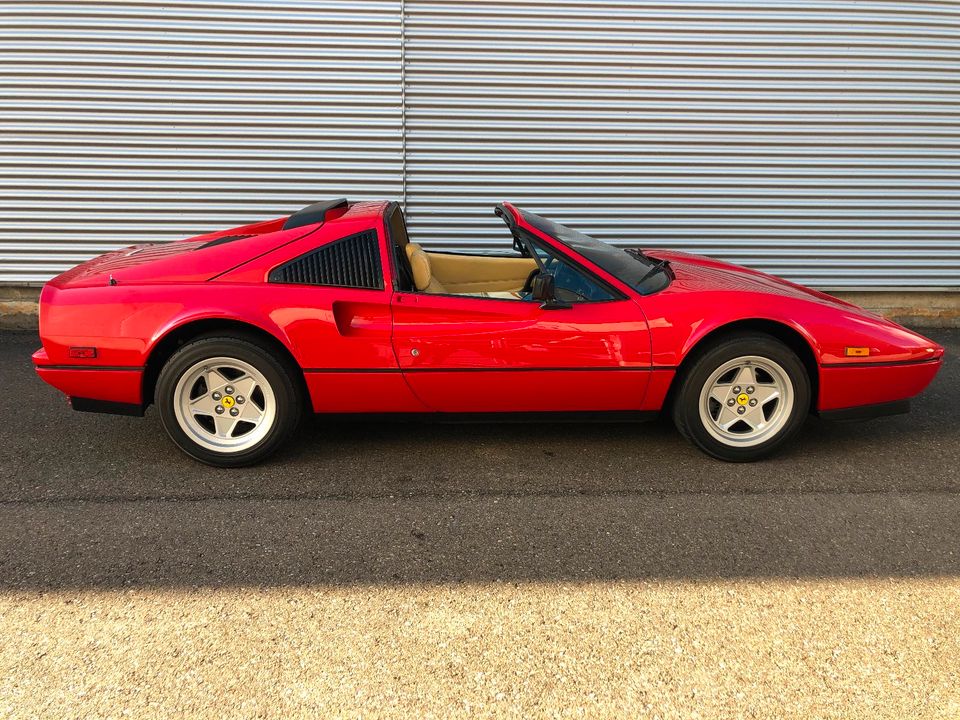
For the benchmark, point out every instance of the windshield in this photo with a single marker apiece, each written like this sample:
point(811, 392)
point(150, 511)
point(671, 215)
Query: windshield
point(628, 266)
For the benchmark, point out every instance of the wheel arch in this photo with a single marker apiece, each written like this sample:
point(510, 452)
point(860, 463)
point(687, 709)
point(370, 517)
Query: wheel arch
point(790, 336)
point(178, 336)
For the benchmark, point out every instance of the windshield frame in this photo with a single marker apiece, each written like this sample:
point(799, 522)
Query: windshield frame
point(633, 269)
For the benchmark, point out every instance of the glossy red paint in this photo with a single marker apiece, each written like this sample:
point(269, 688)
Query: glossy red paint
point(843, 387)
point(384, 350)
point(109, 385)
point(464, 354)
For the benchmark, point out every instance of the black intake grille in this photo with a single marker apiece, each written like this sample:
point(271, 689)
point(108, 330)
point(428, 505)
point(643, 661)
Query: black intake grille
point(353, 261)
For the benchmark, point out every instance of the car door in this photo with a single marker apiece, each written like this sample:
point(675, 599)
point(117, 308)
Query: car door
point(477, 354)
point(329, 294)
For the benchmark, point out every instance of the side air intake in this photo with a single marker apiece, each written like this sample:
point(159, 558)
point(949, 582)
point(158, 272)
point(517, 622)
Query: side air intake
point(353, 261)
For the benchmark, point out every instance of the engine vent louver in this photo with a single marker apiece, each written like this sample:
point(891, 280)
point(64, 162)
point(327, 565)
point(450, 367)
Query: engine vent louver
point(353, 261)
point(222, 240)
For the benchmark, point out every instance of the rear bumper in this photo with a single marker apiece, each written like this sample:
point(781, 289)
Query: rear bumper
point(94, 386)
point(849, 387)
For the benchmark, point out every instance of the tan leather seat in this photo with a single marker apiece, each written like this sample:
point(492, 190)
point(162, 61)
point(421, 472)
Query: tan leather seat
point(420, 265)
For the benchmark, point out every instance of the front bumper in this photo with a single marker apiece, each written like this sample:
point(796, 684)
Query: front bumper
point(854, 386)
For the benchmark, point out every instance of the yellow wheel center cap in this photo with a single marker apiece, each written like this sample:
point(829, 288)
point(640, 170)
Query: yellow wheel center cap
point(742, 399)
point(228, 401)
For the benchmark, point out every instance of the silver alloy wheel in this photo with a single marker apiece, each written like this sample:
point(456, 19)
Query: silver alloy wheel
point(746, 401)
point(224, 404)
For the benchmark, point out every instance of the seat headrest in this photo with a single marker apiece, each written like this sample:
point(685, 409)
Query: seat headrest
point(420, 265)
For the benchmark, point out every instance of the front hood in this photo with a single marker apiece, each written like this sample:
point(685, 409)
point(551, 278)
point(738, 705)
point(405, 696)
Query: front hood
point(830, 324)
point(698, 273)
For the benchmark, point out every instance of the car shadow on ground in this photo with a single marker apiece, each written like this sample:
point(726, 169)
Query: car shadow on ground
point(101, 501)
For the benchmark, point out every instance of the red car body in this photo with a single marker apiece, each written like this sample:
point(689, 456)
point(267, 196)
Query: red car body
point(108, 325)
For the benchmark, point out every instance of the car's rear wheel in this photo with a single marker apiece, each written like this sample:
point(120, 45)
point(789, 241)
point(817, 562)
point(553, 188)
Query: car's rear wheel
point(228, 402)
point(742, 398)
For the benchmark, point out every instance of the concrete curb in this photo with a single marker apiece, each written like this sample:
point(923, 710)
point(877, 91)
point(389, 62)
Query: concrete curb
point(18, 308)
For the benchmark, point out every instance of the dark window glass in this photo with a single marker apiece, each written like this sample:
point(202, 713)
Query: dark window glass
point(632, 268)
point(571, 284)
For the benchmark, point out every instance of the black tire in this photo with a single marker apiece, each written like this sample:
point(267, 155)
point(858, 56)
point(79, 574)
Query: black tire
point(687, 409)
point(275, 369)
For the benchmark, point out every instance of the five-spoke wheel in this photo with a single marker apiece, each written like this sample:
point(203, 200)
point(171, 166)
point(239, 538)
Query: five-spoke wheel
point(225, 404)
point(228, 401)
point(742, 397)
point(746, 400)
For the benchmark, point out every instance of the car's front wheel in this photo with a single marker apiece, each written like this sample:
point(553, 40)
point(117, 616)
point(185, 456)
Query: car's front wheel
point(743, 398)
point(227, 401)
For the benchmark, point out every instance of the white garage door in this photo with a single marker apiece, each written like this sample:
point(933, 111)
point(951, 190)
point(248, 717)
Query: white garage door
point(817, 140)
point(125, 122)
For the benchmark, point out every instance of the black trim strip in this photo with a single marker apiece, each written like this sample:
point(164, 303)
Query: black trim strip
point(867, 412)
point(894, 363)
point(106, 406)
point(492, 369)
point(135, 368)
point(559, 416)
point(352, 370)
point(138, 368)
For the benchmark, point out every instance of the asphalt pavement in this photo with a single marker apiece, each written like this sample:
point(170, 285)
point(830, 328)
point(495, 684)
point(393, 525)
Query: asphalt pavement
point(417, 570)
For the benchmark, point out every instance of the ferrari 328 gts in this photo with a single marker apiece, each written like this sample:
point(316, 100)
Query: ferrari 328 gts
point(235, 335)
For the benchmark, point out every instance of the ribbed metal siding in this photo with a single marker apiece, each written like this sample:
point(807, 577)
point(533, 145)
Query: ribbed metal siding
point(816, 140)
point(124, 122)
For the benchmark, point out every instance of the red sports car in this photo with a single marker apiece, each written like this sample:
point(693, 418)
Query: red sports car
point(235, 334)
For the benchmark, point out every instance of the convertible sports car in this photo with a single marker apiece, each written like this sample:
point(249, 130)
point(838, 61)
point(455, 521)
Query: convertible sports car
point(236, 334)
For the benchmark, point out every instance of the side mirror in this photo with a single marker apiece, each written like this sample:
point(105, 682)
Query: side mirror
point(543, 286)
point(543, 289)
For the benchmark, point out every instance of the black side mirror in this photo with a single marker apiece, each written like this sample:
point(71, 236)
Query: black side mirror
point(543, 288)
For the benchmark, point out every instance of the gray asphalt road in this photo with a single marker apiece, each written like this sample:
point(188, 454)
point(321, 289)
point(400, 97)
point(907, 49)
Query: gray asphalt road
point(412, 569)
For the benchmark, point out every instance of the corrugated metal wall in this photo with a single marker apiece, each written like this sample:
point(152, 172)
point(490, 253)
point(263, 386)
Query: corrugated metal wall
point(818, 140)
point(126, 122)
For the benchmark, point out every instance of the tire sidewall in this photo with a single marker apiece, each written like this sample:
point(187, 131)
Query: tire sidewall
point(687, 411)
point(288, 400)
